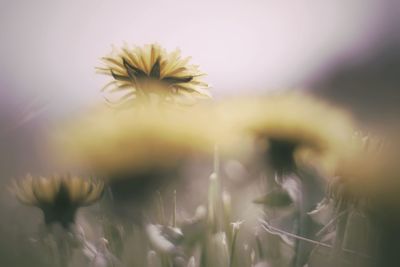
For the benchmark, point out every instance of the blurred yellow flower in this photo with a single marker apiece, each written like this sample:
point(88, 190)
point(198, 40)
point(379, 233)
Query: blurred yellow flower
point(138, 151)
point(369, 170)
point(140, 72)
point(58, 197)
point(290, 129)
point(135, 140)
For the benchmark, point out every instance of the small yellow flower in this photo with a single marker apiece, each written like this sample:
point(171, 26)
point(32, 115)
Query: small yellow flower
point(58, 197)
point(139, 72)
point(290, 129)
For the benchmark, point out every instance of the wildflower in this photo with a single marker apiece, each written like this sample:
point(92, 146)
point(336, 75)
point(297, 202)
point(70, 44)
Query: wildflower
point(138, 151)
point(59, 197)
point(290, 130)
point(134, 140)
point(368, 180)
point(370, 162)
point(139, 72)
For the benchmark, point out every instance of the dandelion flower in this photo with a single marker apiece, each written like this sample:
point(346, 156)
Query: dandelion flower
point(137, 139)
point(368, 180)
point(59, 197)
point(369, 171)
point(138, 151)
point(140, 72)
point(290, 129)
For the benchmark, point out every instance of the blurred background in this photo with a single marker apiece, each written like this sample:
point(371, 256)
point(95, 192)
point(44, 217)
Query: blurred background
point(345, 51)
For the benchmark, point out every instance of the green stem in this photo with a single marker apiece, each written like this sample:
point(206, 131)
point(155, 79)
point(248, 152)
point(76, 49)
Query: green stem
point(174, 210)
point(261, 255)
point(342, 224)
point(160, 208)
point(233, 245)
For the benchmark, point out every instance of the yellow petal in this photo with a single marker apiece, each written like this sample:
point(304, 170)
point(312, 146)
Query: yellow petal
point(45, 189)
point(95, 194)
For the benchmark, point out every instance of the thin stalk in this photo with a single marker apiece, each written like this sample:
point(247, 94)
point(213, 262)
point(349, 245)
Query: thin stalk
point(152, 259)
point(213, 202)
point(342, 224)
point(160, 208)
point(247, 255)
point(214, 195)
point(52, 247)
point(260, 251)
point(301, 217)
point(214, 206)
point(216, 160)
point(203, 253)
point(276, 231)
point(61, 247)
point(174, 210)
point(227, 218)
point(235, 231)
point(330, 223)
point(166, 261)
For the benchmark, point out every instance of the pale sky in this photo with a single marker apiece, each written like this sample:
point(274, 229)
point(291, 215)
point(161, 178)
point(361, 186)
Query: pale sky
point(49, 48)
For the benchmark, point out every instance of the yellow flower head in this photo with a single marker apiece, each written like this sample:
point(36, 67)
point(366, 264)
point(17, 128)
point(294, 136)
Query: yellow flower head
point(369, 170)
point(58, 197)
point(135, 140)
point(139, 72)
point(138, 151)
point(290, 129)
